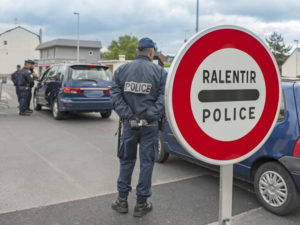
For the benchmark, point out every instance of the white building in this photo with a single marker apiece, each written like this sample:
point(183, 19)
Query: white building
point(17, 45)
point(291, 66)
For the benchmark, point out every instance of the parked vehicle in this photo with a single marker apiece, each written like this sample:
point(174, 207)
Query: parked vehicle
point(275, 169)
point(74, 88)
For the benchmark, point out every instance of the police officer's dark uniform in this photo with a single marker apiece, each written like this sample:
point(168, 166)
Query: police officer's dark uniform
point(138, 93)
point(24, 81)
point(13, 78)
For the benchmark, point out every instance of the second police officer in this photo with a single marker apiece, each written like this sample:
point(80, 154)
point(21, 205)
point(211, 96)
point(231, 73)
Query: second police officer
point(34, 76)
point(14, 78)
point(24, 82)
point(138, 95)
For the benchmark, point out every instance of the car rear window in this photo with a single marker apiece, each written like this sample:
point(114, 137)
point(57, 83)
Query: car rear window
point(282, 110)
point(93, 73)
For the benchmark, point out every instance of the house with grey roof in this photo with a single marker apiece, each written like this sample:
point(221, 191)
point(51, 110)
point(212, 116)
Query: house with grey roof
point(65, 50)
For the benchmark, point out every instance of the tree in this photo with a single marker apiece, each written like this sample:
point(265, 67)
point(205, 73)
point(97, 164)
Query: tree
point(126, 45)
point(278, 48)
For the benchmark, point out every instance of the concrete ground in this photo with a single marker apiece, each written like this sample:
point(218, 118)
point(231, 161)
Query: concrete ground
point(64, 172)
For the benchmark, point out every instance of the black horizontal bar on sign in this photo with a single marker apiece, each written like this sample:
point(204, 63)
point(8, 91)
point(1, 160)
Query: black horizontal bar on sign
point(228, 95)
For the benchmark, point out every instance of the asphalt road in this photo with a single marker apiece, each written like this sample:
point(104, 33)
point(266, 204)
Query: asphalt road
point(64, 172)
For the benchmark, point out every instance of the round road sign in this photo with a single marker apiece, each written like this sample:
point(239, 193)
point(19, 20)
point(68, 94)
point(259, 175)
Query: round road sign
point(222, 95)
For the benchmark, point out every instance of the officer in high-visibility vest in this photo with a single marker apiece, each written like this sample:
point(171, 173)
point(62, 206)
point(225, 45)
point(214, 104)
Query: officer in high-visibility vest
point(138, 98)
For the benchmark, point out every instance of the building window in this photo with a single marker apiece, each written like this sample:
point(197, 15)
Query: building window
point(5, 42)
point(91, 53)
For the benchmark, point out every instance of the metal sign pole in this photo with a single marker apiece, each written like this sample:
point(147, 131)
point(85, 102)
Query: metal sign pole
point(1, 86)
point(225, 199)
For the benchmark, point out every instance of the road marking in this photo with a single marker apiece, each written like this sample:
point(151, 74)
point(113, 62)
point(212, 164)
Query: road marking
point(97, 127)
point(94, 146)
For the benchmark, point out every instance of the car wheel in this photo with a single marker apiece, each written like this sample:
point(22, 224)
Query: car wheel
point(163, 155)
point(275, 188)
point(106, 114)
point(58, 115)
point(36, 106)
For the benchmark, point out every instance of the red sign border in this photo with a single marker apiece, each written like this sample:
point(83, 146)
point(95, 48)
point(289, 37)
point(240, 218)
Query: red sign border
point(179, 111)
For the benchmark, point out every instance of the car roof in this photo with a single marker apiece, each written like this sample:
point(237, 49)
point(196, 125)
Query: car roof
point(78, 64)
point(290, 79)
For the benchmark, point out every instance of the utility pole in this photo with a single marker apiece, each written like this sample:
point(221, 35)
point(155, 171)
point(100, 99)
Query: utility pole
point(197, 17)
point(77, 14)
point(296, 56)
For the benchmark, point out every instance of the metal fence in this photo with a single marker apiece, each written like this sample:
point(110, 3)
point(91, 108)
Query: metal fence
point(3, 99)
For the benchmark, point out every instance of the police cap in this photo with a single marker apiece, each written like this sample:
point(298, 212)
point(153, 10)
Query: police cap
point(146, 43)
point(30, 62)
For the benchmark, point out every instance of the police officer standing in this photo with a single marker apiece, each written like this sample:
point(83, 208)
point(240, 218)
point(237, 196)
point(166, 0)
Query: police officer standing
point(13, 78)
point(24, 81)
point(33, 76)
point(138, 98)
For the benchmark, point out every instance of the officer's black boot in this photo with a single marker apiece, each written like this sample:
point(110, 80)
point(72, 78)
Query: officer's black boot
point(23, 114)
point(142, 209)
point(29, 111)
point(120, 205)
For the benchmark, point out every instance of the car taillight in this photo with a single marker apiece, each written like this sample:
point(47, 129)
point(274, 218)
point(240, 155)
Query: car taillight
point(72, 90)
point(91, 65)
point(106, 92)
point(297, 149)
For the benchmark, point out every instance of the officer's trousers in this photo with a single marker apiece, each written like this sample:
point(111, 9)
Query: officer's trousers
point(147, 138)
point(29, 96)
point(18, 94)
point(23, 93)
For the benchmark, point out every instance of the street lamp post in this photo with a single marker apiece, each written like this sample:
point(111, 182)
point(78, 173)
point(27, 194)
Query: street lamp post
point(77, 14)
point(197, 17)
point(296, 56)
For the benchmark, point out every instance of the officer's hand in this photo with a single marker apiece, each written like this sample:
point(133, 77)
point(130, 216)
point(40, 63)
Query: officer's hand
point(144, 117)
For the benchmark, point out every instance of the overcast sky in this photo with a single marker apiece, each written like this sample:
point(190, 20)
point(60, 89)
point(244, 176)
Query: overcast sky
point(165, 21)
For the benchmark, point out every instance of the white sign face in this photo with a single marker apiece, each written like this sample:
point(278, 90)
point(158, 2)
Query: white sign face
point(228, 93)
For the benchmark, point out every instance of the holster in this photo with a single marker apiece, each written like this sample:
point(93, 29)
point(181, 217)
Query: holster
point(162, 122)
point(119, 136)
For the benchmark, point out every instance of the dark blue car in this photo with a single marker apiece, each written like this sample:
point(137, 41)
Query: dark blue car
point(275, 169)
point(74, 88)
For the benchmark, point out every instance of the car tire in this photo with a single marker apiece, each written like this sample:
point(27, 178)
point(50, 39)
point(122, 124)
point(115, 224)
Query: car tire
point(36, 106)
point(58, 115)
point(163, 155)
point(275, 189)
point(106, 114)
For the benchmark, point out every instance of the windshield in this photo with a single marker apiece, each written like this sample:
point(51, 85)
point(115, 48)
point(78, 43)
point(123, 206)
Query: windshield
point(90, 73)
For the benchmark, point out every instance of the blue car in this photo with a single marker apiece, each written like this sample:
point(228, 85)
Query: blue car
point(275, 169)
point(74, 88)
